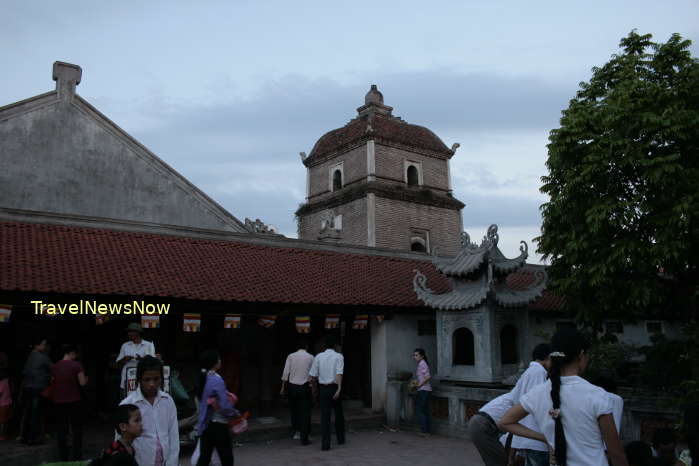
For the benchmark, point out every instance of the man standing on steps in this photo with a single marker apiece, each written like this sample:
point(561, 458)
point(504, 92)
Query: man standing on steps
point(296, 369)
point(132, 351)
point(327, 370)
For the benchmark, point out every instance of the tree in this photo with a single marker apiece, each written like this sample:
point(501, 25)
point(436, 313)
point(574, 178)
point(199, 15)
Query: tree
point(621, 228)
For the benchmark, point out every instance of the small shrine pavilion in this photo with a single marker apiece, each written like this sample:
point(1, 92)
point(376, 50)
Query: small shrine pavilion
point(482, 322)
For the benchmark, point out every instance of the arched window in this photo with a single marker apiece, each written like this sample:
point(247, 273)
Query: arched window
point(418, 245)
point(508, 345)
point(462, 348)
point(412, 176)
point(337, 180)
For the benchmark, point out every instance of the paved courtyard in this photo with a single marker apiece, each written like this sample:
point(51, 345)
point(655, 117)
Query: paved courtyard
point(362, 448)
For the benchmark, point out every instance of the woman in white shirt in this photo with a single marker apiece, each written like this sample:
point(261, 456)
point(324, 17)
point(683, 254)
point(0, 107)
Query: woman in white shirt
point(575, 416)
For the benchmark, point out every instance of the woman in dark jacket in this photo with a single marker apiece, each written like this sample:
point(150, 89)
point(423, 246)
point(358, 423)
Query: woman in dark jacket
point(37, 376)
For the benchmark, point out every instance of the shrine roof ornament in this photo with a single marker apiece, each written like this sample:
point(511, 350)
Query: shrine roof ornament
point(477, 272)
point(471, 256)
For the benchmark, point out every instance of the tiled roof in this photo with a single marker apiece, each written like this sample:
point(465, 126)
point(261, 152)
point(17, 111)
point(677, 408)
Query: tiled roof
point(74, 260)
point(384, 127)
point(525, 278)
point(77, 260)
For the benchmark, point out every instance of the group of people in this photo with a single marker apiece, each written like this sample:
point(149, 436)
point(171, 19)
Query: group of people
point(44, 385)
point(146, 424)
point(306, 377)
point(554, 416)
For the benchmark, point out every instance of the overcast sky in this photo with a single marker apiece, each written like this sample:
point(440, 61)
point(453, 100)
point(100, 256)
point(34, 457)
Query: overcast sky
point(229, 92)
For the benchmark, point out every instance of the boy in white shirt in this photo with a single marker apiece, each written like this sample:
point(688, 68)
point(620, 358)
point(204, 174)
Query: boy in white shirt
point(159, 444)
point(535, 453)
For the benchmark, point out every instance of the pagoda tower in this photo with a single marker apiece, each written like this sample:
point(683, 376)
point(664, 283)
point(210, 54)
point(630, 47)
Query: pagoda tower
point(381, 182)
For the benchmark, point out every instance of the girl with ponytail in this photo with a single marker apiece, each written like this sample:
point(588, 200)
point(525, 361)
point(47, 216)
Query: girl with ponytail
point(574, 416)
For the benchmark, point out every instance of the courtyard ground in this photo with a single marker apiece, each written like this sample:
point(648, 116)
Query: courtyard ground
point(368, 448)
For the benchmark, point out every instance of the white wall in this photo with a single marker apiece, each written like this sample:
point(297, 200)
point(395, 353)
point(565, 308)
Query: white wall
point(402, 339)
point(392, 345)
point(378, 365)
point(635, 334)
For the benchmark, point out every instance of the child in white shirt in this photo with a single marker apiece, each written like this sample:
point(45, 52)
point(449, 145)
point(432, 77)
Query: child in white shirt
point(575, 417)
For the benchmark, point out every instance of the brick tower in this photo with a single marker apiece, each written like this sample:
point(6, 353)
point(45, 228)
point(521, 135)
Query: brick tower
point(379, 181)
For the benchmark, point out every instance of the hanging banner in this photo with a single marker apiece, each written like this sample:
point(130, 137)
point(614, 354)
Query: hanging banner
point(267, 321)
point(379, 318)
point(5, 312)
point(303, 324)
point(332, 321)
point(101, 319)
point(360, 321)
point(231, 321)
point(191, 322)
point(150, 321)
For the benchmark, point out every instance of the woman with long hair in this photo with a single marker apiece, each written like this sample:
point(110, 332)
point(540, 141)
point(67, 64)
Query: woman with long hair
point(215, 410)
point(424, 389)
point(575, 417)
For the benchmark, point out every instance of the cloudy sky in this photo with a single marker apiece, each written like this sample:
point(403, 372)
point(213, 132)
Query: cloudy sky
point(229, 92)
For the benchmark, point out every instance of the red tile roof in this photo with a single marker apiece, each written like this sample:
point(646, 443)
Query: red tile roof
point(384, 127)
point(76, 260)
point(524, 278)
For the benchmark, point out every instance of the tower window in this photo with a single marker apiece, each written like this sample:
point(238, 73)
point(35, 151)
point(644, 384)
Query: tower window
point(336, 177)
point(463, 350)
point(337, 180)
point(419, 241)
point(412, 175)
point(418, 245)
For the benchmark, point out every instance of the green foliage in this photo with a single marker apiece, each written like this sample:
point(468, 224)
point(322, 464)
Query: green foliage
point(611, 359)
point(621, 228)
point(666, 366)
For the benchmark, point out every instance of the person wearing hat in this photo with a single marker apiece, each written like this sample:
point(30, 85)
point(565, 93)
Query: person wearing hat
point(132, 351)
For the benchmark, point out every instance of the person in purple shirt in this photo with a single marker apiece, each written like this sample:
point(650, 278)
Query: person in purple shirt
point(424, 389)
point(212, 427)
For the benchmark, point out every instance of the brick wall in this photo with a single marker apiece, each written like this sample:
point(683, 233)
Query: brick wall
point(354, 168)
point(395, 219)
point(354, 227)
point(390, 163)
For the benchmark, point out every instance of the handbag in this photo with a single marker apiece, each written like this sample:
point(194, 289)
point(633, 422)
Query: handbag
point(239, 424)
point(48, 391)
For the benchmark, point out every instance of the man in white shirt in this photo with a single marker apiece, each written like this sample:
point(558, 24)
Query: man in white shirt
point(535, 453)
point(132, 351)
point(609, 385)
point(295, 374)
point(327, 370)
point(484, 431)
point(159, 444)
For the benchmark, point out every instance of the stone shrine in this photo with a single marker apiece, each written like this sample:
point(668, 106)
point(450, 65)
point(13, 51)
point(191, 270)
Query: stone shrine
point(482, 328)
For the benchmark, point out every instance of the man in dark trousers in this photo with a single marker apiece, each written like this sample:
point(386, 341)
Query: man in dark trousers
point(295, 375)
point(326, 370)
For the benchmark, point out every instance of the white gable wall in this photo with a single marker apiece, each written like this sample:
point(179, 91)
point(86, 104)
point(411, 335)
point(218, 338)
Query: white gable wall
point(67, 158)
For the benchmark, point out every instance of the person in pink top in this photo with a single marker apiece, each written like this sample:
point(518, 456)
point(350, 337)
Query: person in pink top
point(424, 389)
